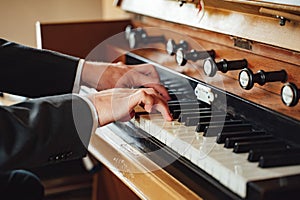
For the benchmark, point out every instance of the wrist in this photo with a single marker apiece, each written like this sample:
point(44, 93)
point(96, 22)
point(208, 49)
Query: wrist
point(91, 73)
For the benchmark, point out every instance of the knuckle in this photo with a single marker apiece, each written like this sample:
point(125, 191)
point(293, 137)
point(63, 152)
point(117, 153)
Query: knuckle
point(151, 90)
point(142, 93)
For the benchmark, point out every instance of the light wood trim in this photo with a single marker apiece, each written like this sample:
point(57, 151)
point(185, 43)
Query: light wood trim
point(146, 184)
point(246, 23)
point(278, 5)
point(286, 15)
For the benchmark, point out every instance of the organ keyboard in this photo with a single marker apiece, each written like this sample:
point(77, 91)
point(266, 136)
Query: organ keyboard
point(246, 158)
point(224, 142)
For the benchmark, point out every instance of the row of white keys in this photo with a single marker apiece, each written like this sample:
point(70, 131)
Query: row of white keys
point(202, 151)
point(231, 169)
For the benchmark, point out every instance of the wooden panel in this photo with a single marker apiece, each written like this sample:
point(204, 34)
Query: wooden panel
point(79, 38)
point(67, 184)
point(137, 172)
point(107, 186)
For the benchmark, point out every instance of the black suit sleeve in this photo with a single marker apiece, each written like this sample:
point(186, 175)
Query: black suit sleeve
point(43, 131)
point(34, 73)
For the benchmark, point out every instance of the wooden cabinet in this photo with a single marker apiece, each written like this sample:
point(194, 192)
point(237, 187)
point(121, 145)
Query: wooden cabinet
point(78, 38)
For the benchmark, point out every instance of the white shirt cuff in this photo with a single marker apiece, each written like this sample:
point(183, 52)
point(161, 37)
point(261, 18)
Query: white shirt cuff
point(93, 111)
point(76, 86)
point(76, 90)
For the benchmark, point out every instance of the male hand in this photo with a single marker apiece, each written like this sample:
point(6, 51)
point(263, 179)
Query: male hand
point(117, 75)
point(118, 104)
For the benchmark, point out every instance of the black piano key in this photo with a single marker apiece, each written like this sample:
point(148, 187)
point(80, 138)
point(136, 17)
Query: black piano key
point(182, 101)
point(255, 154)
point(176, 113)
point(278, 160)
point(194, 120)
point(279, 188)
point(180, 91)
point(229, 142)
point(243, 147)
point(221, 137)
point(179, 94)
point(184, 105)
point(175, 85)
point(172, 89)
point(201, 126)
point(176, 95)
point(184, 116)
point(214, 130)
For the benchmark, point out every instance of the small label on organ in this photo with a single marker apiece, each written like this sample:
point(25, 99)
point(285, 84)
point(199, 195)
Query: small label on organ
point(205, 94)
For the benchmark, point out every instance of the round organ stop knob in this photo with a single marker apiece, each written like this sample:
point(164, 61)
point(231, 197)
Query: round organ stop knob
point(290, 94)
point(135, 38)
point(139, 36)
point(172, 47)
point(182, 57)
point(210, 67)
point(129, 29)
point(247, 78)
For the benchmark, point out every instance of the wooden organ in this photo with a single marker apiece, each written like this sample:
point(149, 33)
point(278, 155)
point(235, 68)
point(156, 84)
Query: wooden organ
point(232, 69)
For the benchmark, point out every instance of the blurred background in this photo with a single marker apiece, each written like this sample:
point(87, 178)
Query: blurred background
point(18, 17)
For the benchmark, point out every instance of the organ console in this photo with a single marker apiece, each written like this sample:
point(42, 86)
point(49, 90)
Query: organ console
point(225, 142)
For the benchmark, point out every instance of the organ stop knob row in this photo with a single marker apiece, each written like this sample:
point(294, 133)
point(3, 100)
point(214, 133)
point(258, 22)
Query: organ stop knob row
point(290, 94)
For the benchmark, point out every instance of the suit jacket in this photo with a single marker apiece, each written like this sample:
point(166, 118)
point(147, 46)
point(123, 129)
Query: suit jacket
point(44, 129)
